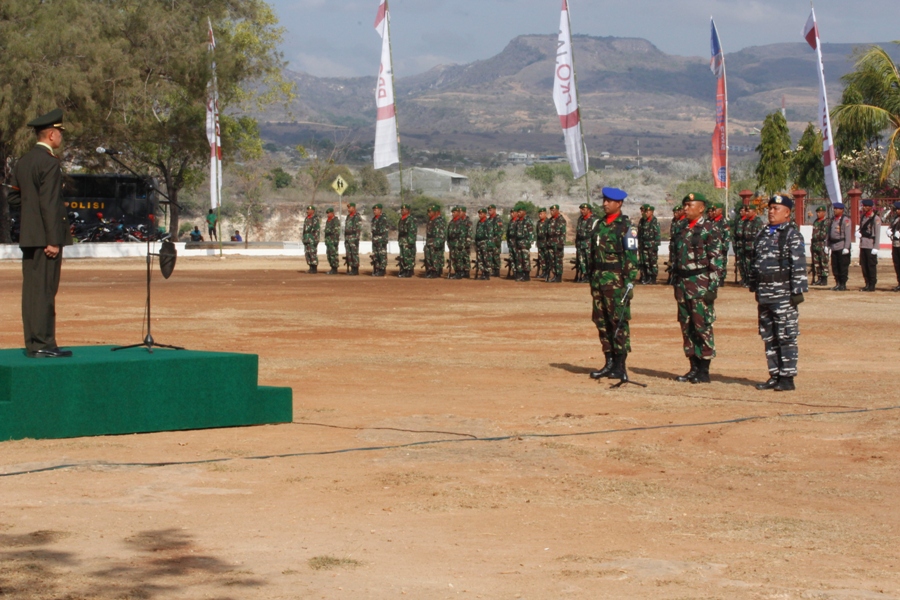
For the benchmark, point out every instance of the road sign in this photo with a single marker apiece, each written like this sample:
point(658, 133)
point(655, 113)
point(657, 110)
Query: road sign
point(339, 185)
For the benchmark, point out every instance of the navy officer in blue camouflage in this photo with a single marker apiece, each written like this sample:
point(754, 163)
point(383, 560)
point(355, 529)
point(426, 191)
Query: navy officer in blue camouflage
point(777, 275)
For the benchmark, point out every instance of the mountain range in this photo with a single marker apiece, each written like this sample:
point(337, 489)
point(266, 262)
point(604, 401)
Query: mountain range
point(629, 91)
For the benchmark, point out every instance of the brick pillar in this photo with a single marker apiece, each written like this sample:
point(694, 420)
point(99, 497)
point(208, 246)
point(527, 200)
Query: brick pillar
point(800, 215)
point(855, 197)
point(746, 195)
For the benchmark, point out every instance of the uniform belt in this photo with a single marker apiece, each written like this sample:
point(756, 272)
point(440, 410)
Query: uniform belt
point(614, 267)
point(780, 277)
point(689, 273)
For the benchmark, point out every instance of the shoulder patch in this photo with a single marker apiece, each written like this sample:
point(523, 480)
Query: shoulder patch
point(631, 238)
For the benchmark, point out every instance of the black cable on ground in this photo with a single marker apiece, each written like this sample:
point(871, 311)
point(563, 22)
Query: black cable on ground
point(502, 438)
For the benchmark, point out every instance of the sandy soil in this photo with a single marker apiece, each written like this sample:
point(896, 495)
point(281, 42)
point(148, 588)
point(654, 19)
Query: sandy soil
point(448, 443)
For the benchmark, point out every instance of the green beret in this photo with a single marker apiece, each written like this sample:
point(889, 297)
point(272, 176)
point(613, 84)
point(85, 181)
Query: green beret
point(482, 211)
point(310, 207)
point(820, 207)
point(585, 205)
point(645, 206)
point(694, 198)
point(556, 206)
point(329, 210)
point(494, 206)
point(378, 206)
point(402, 206)
point(54, 118)
point(351, 205)
point(435, 208)
point(651, 207)
point(542, 209)
point(462, 208)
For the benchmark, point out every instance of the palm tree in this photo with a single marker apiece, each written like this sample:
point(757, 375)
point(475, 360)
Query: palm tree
point(870, 107)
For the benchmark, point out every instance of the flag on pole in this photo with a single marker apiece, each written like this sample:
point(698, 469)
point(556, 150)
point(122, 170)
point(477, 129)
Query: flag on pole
point(832, 183)
point(387, 151)
point(213, 133)
point(565, 96)
point(720, 133)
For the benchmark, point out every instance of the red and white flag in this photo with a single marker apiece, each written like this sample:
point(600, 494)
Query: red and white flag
point(387, 150)
point(213, 133)
point(720, 133)
point(565, 96)
point(832, 183)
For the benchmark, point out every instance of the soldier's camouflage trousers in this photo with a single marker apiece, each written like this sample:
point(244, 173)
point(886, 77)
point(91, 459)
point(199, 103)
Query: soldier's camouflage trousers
point(607, 310)
point(312, 254)
point(582, 254)
point(779, 326)
point(513, 256)
point(495, 256)
point(407, 257)
point(434, 259)
point(819, 262)
point(744, 265)
point(351, 250)
point(484, 256)
point(542, 261)
point(460, 258)
point(523, 259)
point(696, 318)
point(556, 255)
point(331, 251)
point(379, 256)
point(650, 261)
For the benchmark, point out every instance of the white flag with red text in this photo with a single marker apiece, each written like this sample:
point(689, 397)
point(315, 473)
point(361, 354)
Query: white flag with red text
point(213, 133)
point(832, 183)
point(387, 150)
point(565, 97)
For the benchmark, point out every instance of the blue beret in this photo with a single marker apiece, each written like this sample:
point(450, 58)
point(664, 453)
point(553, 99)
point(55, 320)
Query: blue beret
point(897, 205)
point(781, 201)
point(614, 194)
point(868, 203)
point(837, 205)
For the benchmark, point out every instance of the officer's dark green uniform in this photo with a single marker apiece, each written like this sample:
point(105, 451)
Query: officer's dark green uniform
point(556, 242)
point(379, 242)
point(352, 231)
point(311, 234)
point(406, 238)
point(649, 238)
point(541, 235)
point(37, 187)
point(498, 238)
point(583, 228)
point(332, 240)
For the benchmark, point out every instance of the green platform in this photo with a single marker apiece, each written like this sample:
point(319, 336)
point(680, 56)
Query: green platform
point(100, 392)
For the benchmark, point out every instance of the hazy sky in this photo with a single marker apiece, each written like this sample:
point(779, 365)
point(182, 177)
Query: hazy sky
point(336, 38)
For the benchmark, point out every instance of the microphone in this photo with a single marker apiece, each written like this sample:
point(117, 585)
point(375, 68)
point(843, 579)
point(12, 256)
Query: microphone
point(102, 150)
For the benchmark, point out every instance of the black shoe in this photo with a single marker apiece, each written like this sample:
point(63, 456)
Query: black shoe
point(354, 271)
point(702, 375)
point(602, 372)
point(618, 369)
point(769, 384)
point(496, 273)
point(689, 376)
point(333, 271)
point(785, 384)
point(313, 269)
point(896, 289)
point(824, 282)
point(526, 277)
point(429, 275)
point(558, 279)
point(50, 353)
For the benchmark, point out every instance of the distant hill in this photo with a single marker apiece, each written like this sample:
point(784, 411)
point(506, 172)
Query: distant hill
point(629, 90)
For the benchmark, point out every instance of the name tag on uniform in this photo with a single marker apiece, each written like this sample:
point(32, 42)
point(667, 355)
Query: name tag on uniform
point(631, 238)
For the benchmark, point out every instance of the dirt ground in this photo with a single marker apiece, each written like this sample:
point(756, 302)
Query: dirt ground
point(448, 443)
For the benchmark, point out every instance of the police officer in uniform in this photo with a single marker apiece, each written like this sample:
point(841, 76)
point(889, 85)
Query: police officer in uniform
point(895, 243)
point(778, 277)
point(37, 187)
point(839, 241)
point(613, 268)
point(869, 241)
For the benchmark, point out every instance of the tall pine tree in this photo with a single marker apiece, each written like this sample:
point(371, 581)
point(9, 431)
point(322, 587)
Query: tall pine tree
point(774, 154)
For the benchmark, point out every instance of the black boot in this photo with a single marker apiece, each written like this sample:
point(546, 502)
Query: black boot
point(354, 271)
point(769, 384)
point(526, 277)
point(313, 269)
point(618, 370)
point(702, 375)
point(558, 279)
point(689, 376)
point(333, 271)
point(785, 384)
point(603, 372)
point(824, 281)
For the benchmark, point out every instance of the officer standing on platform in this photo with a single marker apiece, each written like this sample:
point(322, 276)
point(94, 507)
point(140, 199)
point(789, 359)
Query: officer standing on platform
point(36, 185)
point(839, 241)
point(556, 245)
point(895, 243)
point(311, 234)
point(696, 276)
point(778, 277)
point(613, 269)
point(819, 247)
point(869, 242)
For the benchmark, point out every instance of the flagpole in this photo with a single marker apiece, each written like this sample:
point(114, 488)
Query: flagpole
point(587, 162)
point(394, 94)
point(727, 156)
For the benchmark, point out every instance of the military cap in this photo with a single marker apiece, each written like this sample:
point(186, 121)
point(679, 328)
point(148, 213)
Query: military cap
point(645, 206)
point(820, 208)
point(402, 206)
point(781, 200)
point(694, 198)
point(329, 210)
point(54, 118)
point(462, 208)
point(310, 207)
point(838, 205)
point(584, 205)
point(436, 207)
point(614, 194)
point(351, 205)
point(751, 207)
point(542, 209)
point(494, 206)
point(378, 206)
point(868, 202)
point(650, 207)
point(897, 205)
point(556, 206)
point(482, 211)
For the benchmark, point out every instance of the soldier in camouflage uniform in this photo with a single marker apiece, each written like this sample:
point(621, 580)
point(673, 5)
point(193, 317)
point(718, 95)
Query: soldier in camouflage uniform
point(465, 250)
point(697, 274)
point(406, 238)
point(737, 233)
point(674, 228)
point(540, 238)
point(512, 247)
point(718, 219)
point(613, 269)
point(311, 234)
point(352, 231)
point(524, 240)
point(484, 245)
point(380, 231)
point(332, 239)
point(556, 245)
point(819, 249)
point(583, 243)
point(778, 277)
point(751, 225)
point(435, 240)
point(458, 241)
point(498, 239)
point(649, 238)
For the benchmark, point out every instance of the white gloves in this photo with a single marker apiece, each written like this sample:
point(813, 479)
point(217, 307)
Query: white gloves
point(845, 251)
point(875, 251)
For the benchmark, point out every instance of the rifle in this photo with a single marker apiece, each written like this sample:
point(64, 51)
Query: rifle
point(538, 264)
point(347, 262)
point(510, 265)
point(475, 265)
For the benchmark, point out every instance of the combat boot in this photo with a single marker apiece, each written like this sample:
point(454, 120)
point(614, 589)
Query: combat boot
point(785, 384)
point(313, 269)
point(558, 279)
point(354, 271)
point(333, 271)
point(603, 372)
point(689, 376)
point(824, 281)
point(618, 369)
point(769, 384)
point(496, 273)
point(526, 277)
point(702, 375)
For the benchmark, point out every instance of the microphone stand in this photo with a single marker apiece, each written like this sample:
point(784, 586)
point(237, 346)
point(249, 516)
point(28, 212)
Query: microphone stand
point(148, 341)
